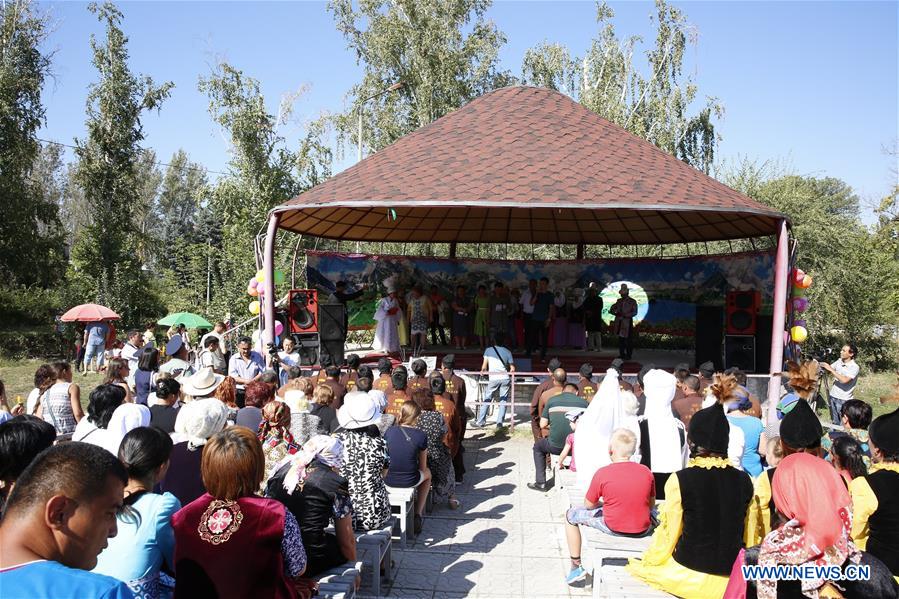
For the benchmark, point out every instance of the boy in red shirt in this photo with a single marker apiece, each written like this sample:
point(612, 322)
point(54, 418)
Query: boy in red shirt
point(620, 501)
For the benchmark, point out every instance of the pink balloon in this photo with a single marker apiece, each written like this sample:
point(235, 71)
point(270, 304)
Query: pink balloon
point(798, 275)
point(253, 282)
point(279, 328)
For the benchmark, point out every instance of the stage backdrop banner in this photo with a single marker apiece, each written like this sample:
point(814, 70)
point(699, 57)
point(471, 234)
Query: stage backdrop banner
point(667, 289)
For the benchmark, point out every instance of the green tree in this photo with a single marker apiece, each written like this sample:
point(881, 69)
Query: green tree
point(445, 52)
point(107, 172)
point(31, 238)
point(655, 106)
point(263, 172)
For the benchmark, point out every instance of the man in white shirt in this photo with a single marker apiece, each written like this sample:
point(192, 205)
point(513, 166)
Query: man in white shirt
point(527, 308)
point(287, 357)
point(497, 358)
point(845, 377)
point(218, 331)
point(131, 350)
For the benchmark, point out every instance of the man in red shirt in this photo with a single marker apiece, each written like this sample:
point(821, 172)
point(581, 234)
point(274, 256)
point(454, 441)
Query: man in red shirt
point(619, 501)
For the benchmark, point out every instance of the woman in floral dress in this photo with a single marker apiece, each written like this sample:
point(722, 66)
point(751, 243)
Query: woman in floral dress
point(419, 317)
point(440, 463)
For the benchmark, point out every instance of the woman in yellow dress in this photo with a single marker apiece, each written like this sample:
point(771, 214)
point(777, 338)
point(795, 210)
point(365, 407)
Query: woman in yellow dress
point(700, 532)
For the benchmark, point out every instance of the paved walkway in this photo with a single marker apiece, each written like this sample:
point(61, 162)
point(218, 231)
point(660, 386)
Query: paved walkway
point(503, 542)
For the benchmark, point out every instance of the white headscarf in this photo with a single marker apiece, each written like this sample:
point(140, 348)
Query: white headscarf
point(594, 429)
point(328, 450)
point(667, 454)
point(125, 419)
point(579, 298)
point(200, 419)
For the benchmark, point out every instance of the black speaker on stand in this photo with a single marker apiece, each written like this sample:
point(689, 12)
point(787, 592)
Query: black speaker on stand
point(710, 335)
point(332, 331)
point(739, 352)
point(307, 347)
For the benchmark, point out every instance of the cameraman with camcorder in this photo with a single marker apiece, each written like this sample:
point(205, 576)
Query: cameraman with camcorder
point(845, 374)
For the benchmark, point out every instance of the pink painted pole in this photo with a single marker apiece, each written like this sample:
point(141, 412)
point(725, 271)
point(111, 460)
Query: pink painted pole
point(781, 280)
point(268, 268)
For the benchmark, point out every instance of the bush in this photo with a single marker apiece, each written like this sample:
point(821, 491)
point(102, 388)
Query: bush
point(42, 344)
point(28, 306)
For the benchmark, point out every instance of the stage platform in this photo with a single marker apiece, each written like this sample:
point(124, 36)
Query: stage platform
point(470, 359)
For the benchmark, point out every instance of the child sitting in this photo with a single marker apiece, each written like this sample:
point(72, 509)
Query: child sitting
point(774, 452)
point(568, 449)
point(627, 491)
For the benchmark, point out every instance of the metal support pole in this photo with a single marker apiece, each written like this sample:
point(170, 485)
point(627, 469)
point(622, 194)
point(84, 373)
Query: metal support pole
point(580, 251)
point(781, 280)
point(268, 268)
point(452, 248)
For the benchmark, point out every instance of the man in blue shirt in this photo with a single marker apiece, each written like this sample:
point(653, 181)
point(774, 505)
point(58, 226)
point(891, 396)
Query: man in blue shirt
point(544, 310)
point(95, 344)
point(497, 359)
point(245, 366)
point(58, 518)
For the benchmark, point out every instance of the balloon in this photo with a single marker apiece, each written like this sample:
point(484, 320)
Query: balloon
point(252, 291)
point(260, 276)
point(799, 323)
point(806, 282)
point(253, 282)
point(798, 275)
point(800, 304)
point(279, 328)
point(254, 307)
point(798, 292)
point(798, 334)
point(255, 337)
point(279, 277)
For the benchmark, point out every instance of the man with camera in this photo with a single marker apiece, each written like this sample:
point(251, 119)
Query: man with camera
point(845, 375)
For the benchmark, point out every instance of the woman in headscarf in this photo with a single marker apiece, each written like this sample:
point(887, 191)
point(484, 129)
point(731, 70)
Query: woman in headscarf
point(700, 530)
point(125, 419)
point(274, 434)
point(663, 440)
point(309, 485)
point(814, 502)
point(197, 421)
point(594, 429)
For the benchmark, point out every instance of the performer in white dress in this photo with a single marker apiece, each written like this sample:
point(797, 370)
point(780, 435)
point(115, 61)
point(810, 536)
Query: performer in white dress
point(388, 316)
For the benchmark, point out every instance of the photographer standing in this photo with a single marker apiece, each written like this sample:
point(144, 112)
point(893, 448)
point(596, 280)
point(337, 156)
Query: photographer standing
point(845, 374)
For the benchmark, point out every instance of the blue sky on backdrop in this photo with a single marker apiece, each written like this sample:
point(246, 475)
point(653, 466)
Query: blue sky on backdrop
point(810, 84)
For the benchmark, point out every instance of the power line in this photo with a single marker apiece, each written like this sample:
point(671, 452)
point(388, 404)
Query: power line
point(157, 162)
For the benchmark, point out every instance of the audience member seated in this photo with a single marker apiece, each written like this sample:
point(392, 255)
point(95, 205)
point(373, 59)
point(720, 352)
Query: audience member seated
point(816, 510)
point(739, 414)
point(364, 385)
point(229, 542)
point(275, 436)
point(419, 378)
point(445, 405)
point(568, 449)
point(619, 501)
point(365, 460)
point(348, 379)
point(800, 431)
point(384, 382)
point(125, 419)
point(802, 383)
point(700, 530)
point(398, 394)
point(690, 401)
point(408, 449)
point(197, 421)
point(308, 484)
point(21, 439)
point(555, 427)
point(256, 395)
point(164, 413)
point(145, 541)
point(663, 439)
point(145, 374)
point(855, 416)
point(440, 462)
point(847, 458)
point(322, 398)
point(586, 385)
point(58, 518)
point(875, 497)
point(227, 394)
point(303, 424)
point(60, 403)
point(102, 403)
point(201, 384)
point(756, 407)
point(539, 390)
point(333, 381)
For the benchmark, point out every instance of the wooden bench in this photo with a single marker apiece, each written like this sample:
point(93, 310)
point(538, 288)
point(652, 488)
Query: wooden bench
point(611, 580)
point(402, 503)
point(375, 547)
point(339, 582)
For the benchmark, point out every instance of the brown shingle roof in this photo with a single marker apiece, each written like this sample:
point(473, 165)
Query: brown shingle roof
point(522, 165)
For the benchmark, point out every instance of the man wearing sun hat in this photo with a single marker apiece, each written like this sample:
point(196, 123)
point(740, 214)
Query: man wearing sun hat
point(202, 383)
point(875, 496)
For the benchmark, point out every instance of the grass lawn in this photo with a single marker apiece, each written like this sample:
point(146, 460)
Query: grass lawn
point(18, 376)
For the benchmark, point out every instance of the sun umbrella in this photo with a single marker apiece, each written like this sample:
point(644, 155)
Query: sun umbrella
point(188, 319)
point(89, 313)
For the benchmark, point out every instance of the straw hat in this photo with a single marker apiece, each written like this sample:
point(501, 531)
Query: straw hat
point(359, 410)
point(201, 383)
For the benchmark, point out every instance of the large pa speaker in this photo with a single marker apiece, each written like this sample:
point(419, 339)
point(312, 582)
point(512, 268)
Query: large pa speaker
point(302, 311)
point(333, 348)
point(332, 322)
point(307, 347)
point(742, 309)
point(709, 335)
point(739, 352)
point(763, 342)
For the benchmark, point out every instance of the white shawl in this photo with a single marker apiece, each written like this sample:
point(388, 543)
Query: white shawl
point(594, 429)
point(667, 454)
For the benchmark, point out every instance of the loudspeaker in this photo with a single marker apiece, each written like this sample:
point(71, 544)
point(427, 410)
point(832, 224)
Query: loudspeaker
point(739, 351)
point(742, 309)
point(763, 342)
point(332, 322)
point(709, 335)
point(302, 311)
point(308, 347)
point(333, 348)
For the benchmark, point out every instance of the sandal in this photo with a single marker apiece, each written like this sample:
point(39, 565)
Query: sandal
point(454, 504)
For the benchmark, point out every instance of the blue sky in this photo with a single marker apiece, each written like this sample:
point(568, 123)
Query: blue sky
point(809, 84)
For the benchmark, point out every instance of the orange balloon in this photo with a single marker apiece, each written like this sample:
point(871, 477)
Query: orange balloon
point(806, 282)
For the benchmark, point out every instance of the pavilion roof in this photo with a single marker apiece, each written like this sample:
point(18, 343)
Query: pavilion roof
point(525, 165)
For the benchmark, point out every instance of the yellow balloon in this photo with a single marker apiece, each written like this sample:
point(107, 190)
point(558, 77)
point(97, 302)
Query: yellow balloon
point(260, 276)
point(798, 334)
point(254, 307)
